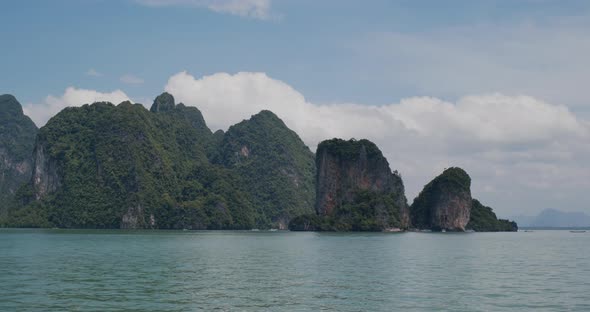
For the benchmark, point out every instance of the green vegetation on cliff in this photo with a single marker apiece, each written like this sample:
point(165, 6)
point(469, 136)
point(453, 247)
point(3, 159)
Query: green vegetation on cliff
point(276, 167)
point(350, 150)
point(123, 166)
point(17, 137)
point(107, 166)
point(369, 211)
point(483, 219)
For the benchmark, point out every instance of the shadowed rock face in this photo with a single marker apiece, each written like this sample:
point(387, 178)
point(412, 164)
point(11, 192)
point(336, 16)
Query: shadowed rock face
point(45, 178)
point(451, 211)
point(444, 203)
point(164, 102)
point(346, 167)
point(17, 137)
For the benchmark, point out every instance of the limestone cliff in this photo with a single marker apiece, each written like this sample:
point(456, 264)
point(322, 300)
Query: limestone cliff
point(444, 203)
point(17, 137)
point(274, 165)
point(356, 189)
point(123, 166)
point(45, 178)
point(111, 166)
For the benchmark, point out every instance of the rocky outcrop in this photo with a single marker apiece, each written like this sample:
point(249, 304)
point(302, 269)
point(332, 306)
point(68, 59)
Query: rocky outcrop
point(444, 203)
point(17, 138)
point(45, 178)
point(356, 188)
point(13, 172)
point(163, 102)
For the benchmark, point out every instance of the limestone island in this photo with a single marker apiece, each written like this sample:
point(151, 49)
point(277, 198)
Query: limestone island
point(123, 166)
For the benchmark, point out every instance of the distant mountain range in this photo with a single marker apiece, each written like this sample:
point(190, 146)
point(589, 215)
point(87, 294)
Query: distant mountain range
point(554, 218)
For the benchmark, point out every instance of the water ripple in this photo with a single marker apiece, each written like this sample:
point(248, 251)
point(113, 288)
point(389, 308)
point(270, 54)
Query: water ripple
point(43, 270)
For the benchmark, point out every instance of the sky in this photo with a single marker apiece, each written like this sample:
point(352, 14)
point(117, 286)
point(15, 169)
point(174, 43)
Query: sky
point(497, 87)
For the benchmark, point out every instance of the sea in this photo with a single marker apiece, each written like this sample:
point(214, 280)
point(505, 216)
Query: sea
point(117, 270)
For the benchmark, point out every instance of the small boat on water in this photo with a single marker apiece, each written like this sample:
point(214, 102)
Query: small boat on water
point(577, 231)
point(528, 231)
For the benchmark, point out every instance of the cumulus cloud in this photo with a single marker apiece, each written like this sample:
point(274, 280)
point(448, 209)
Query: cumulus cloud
point(248, 8)
point(131, 79)
point(513, 146)
point(41, 113)
point(492, 119)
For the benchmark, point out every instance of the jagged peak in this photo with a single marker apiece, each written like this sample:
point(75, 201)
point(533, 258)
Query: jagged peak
point(9, 104)
point(266, 113)
point(163, 102)
point(262, 119)
point(266, 117)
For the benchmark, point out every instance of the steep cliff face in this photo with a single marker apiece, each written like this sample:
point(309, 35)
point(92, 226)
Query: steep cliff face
point(444, 203)
point(17, 138)
point(274, 165)
point(345, 167)
point(356, 189)
point(45, 178)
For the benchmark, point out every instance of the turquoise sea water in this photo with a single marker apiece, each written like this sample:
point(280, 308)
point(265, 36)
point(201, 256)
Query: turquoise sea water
point(72, 270)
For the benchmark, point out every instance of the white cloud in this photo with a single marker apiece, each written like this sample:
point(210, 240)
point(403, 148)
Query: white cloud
point(93, 73)
point(259, 9)
point(518, 149)
point(41, 113)
point(131, 79)
point(495, 118)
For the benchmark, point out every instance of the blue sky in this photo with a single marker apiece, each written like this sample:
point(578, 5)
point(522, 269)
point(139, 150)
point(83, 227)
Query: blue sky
point(312, 45)
point(498, 87)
